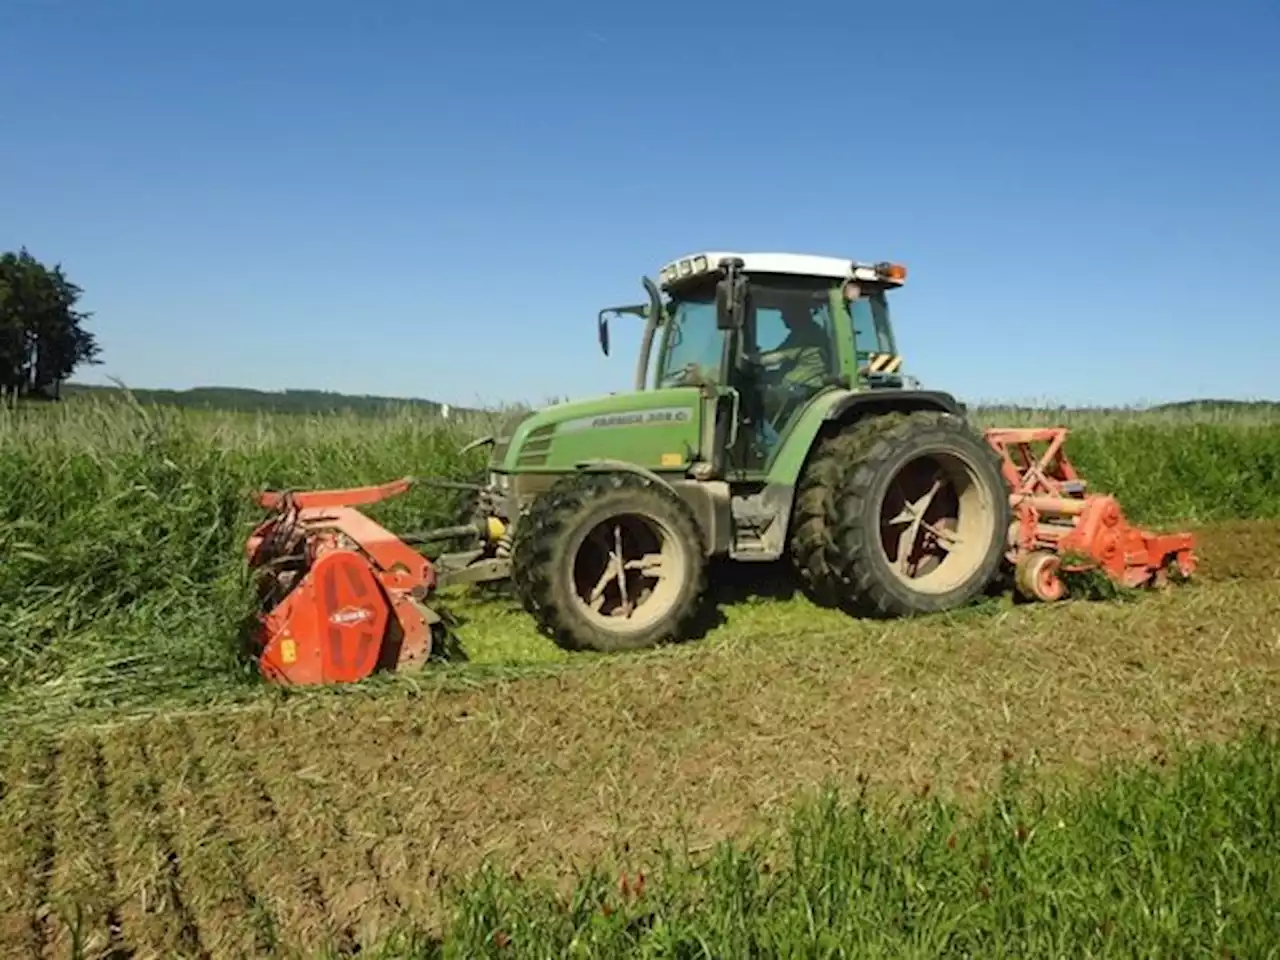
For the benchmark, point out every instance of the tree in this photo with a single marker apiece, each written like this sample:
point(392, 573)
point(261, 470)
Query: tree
point(41, 337)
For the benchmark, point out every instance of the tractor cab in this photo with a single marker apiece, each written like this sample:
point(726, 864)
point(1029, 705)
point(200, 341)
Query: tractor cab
point(850, 293)
point(835, 306)
point(770, 331)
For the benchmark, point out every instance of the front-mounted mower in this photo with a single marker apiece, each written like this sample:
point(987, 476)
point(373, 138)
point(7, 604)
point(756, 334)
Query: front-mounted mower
point(769, 418)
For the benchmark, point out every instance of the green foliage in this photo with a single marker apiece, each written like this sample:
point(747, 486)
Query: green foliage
point(1167, 472)
point(122, 529)
point(42, 341)
point(1152, 863)
point(122, 526)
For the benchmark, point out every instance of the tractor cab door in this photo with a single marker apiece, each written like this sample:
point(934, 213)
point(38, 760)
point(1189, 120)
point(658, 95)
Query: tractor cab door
point(695, 351)
point(789, 355)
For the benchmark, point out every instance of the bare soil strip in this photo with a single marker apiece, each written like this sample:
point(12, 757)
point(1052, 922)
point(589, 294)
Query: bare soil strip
point(285, 890)
point(312, 794)
point(225, 912)
point(154, 913)
point(82, 888)
point(26, 847)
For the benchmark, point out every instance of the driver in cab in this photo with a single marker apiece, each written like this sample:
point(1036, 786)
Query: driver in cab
point(800, 361)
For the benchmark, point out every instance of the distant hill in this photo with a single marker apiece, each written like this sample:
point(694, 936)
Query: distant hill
point(255, 401)
point(1202, 406)
point(1235, 406)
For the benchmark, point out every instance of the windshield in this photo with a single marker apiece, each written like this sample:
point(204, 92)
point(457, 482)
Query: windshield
point(871, 330)
point(692, 339)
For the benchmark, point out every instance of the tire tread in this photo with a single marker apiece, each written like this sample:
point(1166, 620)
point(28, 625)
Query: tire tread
point(853, 554)
point(537, 556)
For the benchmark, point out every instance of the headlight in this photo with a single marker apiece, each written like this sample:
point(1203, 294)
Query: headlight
point(684, 268)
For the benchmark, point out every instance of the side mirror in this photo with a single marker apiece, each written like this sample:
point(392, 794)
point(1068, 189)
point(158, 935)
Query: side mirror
point(728, 303)
point(730, 295)
point(602, 331)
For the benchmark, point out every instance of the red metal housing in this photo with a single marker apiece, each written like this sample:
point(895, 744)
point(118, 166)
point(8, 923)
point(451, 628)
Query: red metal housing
point(1058, 527)
point(341, 594)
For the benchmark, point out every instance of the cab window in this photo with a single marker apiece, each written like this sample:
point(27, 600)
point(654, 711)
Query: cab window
point(871, 330)
point(693, 344)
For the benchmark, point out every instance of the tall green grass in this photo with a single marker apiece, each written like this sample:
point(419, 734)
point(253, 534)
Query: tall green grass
point(122, 531)
point(1180, 863)
point(1169, 472)
point(121, 527)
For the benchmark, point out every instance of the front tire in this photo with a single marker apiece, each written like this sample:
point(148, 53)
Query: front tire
point(921, 519)
point(609, 562)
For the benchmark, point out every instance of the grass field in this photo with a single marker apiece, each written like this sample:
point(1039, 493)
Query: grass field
point(155, 794)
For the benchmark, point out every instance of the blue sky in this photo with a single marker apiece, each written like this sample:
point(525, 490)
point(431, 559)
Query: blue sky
point(433, 199)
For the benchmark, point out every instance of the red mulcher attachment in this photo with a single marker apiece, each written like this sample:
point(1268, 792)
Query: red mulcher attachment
point(1058, 528)
point(341, 596)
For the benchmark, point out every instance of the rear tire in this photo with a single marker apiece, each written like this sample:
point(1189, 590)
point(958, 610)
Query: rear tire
point(564, 562)
point(896, 548)
point(812, 537)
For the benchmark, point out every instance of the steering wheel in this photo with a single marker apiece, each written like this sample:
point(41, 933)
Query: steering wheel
point(690, 375)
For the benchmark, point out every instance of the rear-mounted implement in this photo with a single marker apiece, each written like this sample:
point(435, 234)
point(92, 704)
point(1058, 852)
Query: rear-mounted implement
point(1057, 528)
point(340, 596)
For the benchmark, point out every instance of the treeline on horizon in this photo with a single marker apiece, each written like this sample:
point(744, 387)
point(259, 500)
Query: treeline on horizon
point(42, 335)
point(246, 400)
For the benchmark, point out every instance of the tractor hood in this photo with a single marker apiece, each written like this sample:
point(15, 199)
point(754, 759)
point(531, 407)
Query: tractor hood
point(502, 437)
point(656, 429)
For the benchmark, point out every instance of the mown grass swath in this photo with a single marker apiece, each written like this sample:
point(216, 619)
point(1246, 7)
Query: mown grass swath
point(122, 579)
point(1182, 862)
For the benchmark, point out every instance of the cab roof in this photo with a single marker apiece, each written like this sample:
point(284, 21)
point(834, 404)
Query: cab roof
point(796, 264)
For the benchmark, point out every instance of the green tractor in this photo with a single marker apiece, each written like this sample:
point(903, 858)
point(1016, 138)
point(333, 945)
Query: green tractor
point(769, 418)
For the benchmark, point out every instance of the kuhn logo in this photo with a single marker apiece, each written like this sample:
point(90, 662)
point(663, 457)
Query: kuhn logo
point(349, 616)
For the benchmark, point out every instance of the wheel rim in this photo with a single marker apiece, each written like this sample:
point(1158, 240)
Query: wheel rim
point(935, 522)
point(626, 570)
point(1045, 581)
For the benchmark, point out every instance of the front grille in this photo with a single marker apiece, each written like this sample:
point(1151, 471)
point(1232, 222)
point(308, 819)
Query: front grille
point(536, 447)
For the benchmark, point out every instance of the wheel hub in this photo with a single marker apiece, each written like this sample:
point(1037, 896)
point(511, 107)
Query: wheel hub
point(624, 571)
point(931, 522)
